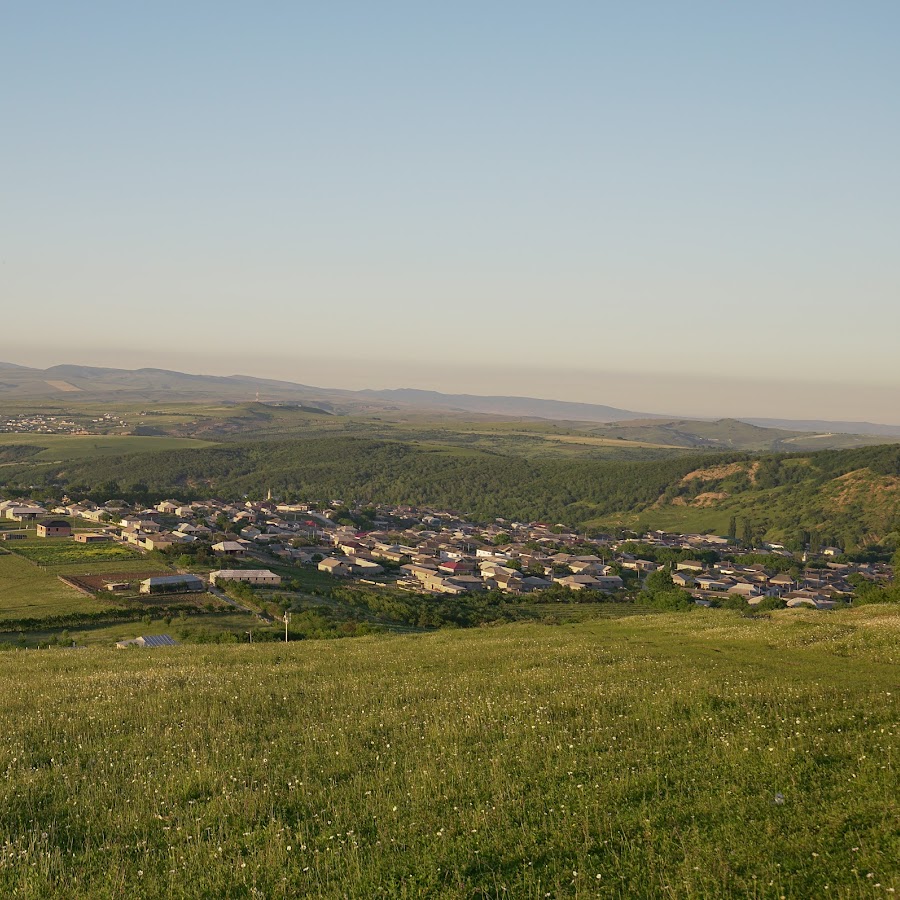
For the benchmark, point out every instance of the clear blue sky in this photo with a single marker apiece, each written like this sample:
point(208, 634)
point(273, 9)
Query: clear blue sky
point(688, 207)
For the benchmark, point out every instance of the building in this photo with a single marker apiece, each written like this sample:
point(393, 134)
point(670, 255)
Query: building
point(172, 584)
point(229, 548)
point(335, 566)
point(25, 513)
point(250, 576)
point(54, 528)
point(153, 640)
point(92, 537)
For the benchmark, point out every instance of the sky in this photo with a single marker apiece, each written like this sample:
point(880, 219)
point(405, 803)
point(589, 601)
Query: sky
point(675, 207)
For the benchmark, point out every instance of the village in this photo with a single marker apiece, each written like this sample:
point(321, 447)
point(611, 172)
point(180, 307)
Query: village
point(437, 553)
point(44, 424)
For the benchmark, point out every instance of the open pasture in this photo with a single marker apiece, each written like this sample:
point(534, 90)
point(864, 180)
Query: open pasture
point(695, 755)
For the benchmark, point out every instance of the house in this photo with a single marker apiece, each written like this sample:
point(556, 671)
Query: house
point(167, 506)
point(54, 528)
point(534, 583)
point(639, 565)
point(832, 551)
point(690, 565)
point(747, 590)
point(711, 583)
point(229, 548)
point(580, 582)
point(782, 582)
point(161, 541)
point(335, 566)
point(682, 580)
point(155, 640)
point(361, 566)
point(25, 513)
point(92, 537)
point(609, 583)
point(814, 602)
point(250, 576)
point(172, 584)
point(457, 566)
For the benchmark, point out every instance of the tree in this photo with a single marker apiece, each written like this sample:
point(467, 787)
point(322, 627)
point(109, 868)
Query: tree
point(732, 529)
point(659, 582)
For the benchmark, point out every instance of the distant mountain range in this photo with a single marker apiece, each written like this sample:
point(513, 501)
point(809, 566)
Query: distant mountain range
point(523, 407)
point(68, 382)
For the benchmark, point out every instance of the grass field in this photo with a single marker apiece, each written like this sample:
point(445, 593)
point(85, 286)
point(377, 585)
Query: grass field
point(59, 447)
point(27, 591)
point(694, 755)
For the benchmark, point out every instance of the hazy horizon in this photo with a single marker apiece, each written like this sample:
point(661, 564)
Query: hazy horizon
point(686, 210)
point(652, 393)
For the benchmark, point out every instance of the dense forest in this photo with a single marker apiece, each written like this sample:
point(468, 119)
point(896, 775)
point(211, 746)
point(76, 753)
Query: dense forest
point(851, 494)
point(479, 484)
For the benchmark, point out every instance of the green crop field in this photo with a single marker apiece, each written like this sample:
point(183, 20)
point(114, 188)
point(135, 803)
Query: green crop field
point(55, 552)
point(694, 755)
point(28, 592)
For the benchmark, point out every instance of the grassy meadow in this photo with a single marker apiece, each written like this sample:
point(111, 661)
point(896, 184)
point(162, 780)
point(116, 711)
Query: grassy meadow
point(693, 755)
point(28, 592)
point(56, 447)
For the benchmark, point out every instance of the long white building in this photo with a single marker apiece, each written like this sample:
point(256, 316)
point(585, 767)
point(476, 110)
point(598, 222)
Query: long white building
point(251, 576)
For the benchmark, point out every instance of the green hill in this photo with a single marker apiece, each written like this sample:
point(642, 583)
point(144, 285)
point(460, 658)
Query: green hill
point(700, 755)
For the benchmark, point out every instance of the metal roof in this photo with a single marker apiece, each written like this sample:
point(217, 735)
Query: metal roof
point(173, 579)
point(157, 640)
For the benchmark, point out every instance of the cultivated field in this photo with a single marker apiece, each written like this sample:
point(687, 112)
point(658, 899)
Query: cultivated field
point(694, 755)
point(58, 552)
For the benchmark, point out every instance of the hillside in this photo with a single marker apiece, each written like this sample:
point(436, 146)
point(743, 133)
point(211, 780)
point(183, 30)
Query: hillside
point(607, 759)
point(849, 497)
point(731, 434)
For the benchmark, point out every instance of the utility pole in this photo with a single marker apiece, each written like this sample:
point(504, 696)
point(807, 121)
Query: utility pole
point(287, 618)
